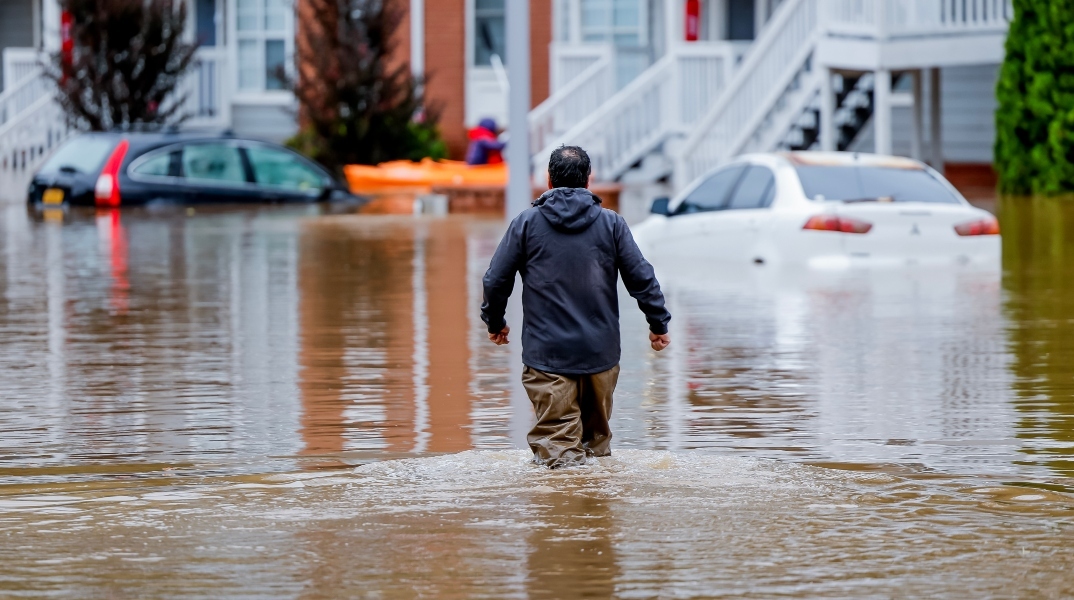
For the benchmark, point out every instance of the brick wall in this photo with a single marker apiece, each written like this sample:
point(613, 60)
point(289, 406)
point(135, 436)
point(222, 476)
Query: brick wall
point(445, 63)
point(400, 52)
point(445, 60)
point(310, 27)
point(540, 39)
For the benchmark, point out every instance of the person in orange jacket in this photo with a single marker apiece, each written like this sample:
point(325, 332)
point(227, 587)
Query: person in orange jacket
point(484, 148)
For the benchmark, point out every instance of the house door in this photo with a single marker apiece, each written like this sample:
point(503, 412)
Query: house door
point(741, 19)
point(206, 22)
point(745, 18)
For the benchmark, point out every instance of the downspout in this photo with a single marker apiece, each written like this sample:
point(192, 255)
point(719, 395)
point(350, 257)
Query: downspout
point(417, 38)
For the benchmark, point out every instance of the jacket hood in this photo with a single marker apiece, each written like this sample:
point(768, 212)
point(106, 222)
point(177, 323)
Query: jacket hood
point(569, 209)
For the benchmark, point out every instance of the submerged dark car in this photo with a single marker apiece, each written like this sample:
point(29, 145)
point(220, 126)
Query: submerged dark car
point(126, 169)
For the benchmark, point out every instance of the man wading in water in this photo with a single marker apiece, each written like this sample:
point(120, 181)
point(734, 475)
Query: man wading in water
point(570, 252)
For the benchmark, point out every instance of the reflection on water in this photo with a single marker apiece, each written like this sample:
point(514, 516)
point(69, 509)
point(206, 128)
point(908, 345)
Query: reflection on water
point(487, 523)
point(1038, 258)
point(186, 397)
point(892, 365)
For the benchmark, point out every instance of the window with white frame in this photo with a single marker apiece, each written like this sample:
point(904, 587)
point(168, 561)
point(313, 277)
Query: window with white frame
point(264, 38)
point(618, 21)
point(561, 12)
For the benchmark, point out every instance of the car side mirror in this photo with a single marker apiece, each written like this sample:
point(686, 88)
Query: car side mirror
point(661, 206)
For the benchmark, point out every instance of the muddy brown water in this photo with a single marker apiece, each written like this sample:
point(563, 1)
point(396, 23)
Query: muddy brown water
point(278, 402)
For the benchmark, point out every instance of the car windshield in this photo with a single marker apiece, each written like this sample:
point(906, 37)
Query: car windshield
point(870, 183)
point(84, 154)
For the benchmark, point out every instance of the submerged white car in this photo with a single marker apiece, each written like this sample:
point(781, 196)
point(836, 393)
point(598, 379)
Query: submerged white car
point(821, 209)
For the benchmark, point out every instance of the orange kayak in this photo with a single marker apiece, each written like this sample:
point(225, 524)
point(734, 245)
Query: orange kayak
point(399, 175)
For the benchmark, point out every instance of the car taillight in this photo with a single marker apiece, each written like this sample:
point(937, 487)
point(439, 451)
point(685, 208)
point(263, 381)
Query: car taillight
point(989, 226)
point(106, 192)
point(837, 223)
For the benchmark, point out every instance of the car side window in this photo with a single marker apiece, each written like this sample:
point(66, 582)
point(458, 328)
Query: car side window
point(756, 189)
point(213, 162)
point(163, 164)
point(713, 192)
point(281, 169)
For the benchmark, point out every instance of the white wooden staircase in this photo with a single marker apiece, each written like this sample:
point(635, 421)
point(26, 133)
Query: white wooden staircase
point(656, 108)
point(817, 73)
point(786, 88)
point(31, 126)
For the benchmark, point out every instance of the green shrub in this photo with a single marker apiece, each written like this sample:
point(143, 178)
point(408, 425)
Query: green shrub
point(415, 141)
point(1034, 151)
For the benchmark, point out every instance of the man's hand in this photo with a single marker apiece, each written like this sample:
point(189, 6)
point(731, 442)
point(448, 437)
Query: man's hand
point(501, 338)
point(658, 342)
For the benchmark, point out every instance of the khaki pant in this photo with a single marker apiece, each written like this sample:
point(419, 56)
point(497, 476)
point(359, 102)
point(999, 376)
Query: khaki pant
point(572, 415)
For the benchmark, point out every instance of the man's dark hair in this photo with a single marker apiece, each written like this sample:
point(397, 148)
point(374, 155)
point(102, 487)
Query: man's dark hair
point(568, 167)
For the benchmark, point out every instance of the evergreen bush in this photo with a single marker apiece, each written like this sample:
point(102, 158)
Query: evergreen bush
point(1034, 150)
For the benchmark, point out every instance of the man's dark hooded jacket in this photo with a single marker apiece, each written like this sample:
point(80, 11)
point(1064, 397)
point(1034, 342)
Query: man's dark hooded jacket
point(570, 252)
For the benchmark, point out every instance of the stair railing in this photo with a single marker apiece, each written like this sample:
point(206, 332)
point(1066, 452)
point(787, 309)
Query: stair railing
point(31, 125)
point(20, 62)
point(26, 140)
point(664, 100)
point(572, 102)
point(776, 58)
point(799, 96)
point(898, 18)
point(17, 98)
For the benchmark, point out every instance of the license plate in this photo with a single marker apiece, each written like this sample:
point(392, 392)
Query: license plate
point(52, 196)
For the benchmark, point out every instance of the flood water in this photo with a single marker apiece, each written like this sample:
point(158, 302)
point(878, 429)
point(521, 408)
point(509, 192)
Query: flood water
point(277, 402)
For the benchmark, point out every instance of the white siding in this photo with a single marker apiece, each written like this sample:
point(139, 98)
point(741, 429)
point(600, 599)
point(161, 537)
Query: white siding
point(271, 123)
point(968, 103)
point(484, 97)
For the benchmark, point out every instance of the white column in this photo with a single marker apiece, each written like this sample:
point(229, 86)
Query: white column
point(674, 15)
point(576, 21)
point(936, 120)
point(36, 24)
point(882, 111)
point(917, 116)
point(828, 140)
point(519, 185)
point(717, 19)
point(417, 37)
point(676, 18)
point(191, 23)
point(760, 16)
point(50, 25)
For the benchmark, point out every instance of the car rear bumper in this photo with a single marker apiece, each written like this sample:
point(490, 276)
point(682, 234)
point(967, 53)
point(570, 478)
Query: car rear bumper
point(982, 251)
point(71, 193)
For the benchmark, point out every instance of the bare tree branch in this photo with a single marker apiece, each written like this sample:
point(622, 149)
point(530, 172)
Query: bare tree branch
point(357, 106)
point(129, 59)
